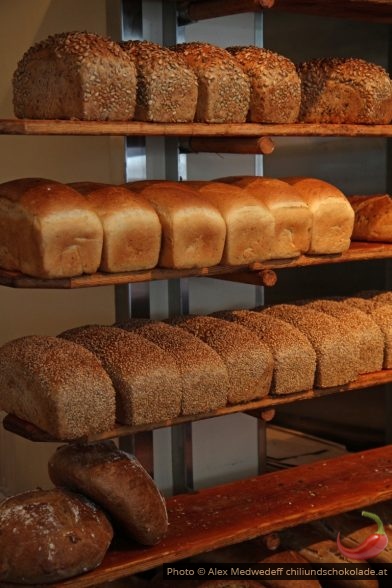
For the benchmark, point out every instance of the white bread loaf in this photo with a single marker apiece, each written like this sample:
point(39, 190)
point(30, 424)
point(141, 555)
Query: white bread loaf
point(224, 90)
point(337, 359)
point(57, 385)
point(275, 87)
point(249, 224)
point(204, 377)
point(294, 359)
point(344, 90)
point(146, 379)
point(166, 85)
point(75, 75)
point(248, 361)
point(373, 218)
point(333, 217)
point(131, 227)
point(47, 230)
point(193, 231)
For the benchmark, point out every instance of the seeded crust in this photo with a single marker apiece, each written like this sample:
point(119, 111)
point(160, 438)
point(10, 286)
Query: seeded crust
point(75, 75)
point(224, 89)
point(344, 90)
point(293, 356)
point(364, 332)
point(146, 380)
point(382, 315)
point(248, 361)
point(205, 382)
point(275, 95)
point(377, 295)
point(337, 359)
point(166, 86)
point(56, 385)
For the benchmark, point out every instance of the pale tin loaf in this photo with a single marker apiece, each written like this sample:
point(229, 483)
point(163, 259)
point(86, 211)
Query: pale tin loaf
point(166, 85)
point(146, 379)
point(57, 385)
point(373, 218)
point(117, 482)
point(75, 75)
point(47, 230)
point(131, 227)
point(275, 95)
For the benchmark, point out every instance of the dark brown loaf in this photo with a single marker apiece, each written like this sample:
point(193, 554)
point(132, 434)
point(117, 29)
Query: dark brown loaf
point(345, 90)
point(117, 482)
point(75, 75)
point(47, 230)
point(50, 535)
point(166, 86)
point(224, 91)
point(373, 218)
point(275, 94)
point(57, 385)
point(146, 379)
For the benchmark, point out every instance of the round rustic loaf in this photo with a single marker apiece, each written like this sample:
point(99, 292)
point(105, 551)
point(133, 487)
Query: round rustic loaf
point(50, 535)
point(116, 481)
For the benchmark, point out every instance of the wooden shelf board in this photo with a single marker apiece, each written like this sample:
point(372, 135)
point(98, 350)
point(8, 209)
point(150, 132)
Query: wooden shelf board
point(357, 252)
point(32, 433)
point(230, 513)
point(134, 128)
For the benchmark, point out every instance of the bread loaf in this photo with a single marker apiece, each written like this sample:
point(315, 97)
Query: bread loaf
point(333, 217)
point(117, 482)
point(75, 75)
point(131, 227)
point(139, 185)
point(337, 359)
point(57, 385)
point(275, 88)
point(249, 224)
point(50, 535)
point(373, 218)
point(166, 86)
point(383, 296)
point(294, 359)
point(224, 91)
point(193, 231)
point(146, 380)
point(47, 230)
point(345, 90)
point(248, 361)
point(204, 377)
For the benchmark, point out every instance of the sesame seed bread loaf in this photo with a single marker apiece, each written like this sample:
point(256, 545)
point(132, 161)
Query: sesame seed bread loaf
point(224, 90)
point(193, 231)
point(363, 332)
point(117, 482)
point(333, 217)
point(131, 227)
point(204, 377)
point(275, 87)
point(47, 230)
point(337, 359)
point(249, 224)
point(56, 385)
point(384, 296)
point(294, 359)
point(166, 85)
point(50, 535)
point(373, 218)
point(344, 90)
point(146, 380)
point(248, 361)
point(75, 75)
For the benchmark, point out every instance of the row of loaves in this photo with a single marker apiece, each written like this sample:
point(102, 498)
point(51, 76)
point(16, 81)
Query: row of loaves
point(142, 371)
point(88, 77)
point(53, 230)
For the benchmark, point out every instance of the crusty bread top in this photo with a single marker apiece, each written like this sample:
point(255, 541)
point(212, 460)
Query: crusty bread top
point(106, 198)
point(151, 58)
point(273, 193)
point(227, 196)
point(178, 198)
point(379, 202)
point(139, 185)
point(313, 190)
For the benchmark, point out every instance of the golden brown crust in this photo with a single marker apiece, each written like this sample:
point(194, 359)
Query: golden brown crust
point(373, 218)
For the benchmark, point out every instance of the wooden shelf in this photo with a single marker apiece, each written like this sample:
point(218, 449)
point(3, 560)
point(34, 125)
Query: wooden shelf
point(75, 127)
point(234, 512)
point(32, 433)
point(248, 274)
